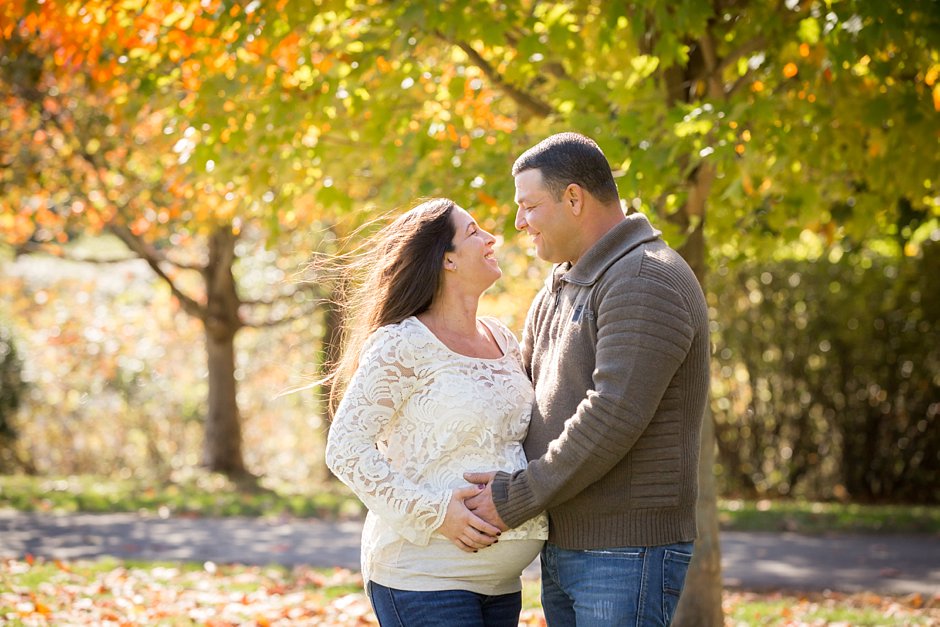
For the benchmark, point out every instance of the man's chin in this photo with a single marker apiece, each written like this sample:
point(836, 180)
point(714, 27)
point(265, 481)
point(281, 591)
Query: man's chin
point(546, 255)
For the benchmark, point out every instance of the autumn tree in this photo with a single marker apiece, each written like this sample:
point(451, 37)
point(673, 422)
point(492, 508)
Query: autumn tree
point(88, 148)
point(740, 126)
point(771, 119)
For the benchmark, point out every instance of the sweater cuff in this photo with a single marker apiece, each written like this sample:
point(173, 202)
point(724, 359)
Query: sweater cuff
point(515, 503)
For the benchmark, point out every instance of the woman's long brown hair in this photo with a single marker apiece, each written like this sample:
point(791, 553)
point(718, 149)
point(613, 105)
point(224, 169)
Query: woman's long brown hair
point(397, 276)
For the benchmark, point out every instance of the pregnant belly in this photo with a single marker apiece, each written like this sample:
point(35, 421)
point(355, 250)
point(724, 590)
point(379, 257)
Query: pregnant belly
point(503, 561)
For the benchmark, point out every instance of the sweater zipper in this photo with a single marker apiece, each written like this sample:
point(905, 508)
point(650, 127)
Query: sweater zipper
point(554, 322)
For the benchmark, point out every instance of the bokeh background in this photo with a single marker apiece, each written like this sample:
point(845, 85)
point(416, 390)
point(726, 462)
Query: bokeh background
point(168, 170)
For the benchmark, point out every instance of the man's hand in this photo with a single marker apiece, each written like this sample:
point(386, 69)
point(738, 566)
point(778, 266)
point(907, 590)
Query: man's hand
point(482, 503)
point(465, 529)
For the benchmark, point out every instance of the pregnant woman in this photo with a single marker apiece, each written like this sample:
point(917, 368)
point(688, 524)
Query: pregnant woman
point(430, 391)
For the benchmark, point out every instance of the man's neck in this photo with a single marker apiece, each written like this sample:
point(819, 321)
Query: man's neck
point(596, 225)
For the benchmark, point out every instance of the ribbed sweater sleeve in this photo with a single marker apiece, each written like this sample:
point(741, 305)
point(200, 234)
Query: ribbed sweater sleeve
point(644, 332)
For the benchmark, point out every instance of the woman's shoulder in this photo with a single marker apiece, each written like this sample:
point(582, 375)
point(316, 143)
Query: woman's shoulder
point(404, 335)
point(497, 326)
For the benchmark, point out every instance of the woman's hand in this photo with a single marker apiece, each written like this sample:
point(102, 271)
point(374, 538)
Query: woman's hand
point(465, 529)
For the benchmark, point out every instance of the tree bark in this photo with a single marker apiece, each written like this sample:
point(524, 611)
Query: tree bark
point(331, 341)
point(222, 448)
point(700, 604)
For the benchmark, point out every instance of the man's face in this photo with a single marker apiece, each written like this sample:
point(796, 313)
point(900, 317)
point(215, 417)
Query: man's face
point(544, 217)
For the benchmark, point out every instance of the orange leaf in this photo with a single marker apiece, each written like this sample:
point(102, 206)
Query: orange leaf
point(790, 70)
point(486, 199)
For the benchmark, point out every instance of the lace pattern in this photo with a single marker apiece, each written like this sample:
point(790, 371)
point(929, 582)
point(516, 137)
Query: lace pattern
point(414, 418)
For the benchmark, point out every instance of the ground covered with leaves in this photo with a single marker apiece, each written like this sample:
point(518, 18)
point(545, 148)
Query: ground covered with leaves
point(113, 592)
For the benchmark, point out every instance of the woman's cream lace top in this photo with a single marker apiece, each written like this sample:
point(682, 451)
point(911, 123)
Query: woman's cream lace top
point(414, 418)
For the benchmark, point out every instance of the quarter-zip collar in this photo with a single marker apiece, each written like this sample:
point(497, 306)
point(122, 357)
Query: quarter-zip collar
point(634, 231)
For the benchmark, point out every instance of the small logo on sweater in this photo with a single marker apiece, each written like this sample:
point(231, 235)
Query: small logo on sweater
point(576, 317)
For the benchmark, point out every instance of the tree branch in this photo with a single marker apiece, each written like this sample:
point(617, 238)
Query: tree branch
point(715, 86)
point(745, 49)
point(198, 267)
point(29, 248)
point(274, 322)
point(305, 289)
point(152, 257)
point(525, 100)
point(738, 83)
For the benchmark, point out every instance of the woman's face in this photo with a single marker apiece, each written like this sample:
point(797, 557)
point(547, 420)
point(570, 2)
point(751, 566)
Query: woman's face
point(473, 257)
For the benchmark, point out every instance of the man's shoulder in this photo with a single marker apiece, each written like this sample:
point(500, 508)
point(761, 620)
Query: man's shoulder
point(658, 265)
point(641, 262)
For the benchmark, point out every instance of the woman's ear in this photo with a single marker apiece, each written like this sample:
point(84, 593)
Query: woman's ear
point(449, 264)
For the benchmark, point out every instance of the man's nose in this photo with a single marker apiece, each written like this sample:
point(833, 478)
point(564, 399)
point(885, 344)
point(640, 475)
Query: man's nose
point(520, 219)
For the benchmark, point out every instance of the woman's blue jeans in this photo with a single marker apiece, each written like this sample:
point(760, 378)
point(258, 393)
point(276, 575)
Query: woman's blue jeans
point(407, 608)
point(629, 586)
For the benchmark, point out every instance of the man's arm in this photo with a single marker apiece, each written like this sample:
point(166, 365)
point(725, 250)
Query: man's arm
point(644, 334)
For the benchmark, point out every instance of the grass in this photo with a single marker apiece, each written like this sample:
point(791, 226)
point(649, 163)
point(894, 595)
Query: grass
point(109, 591)
point(214, 495)
point(817, 518)
point(749, 608)
point(198, 495)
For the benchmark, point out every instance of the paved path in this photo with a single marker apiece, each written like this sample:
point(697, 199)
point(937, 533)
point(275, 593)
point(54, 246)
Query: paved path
point(879, 563)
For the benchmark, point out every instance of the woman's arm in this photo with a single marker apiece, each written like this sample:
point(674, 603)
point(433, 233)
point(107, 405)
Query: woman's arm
point(385, 379)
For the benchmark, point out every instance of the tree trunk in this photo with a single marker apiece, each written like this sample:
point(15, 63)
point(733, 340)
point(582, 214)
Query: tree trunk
point(222, 448)
point(332, 347)
point(331, 342)
point(700, 604)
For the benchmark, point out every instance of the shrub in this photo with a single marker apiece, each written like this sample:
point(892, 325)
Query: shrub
point(826, 377)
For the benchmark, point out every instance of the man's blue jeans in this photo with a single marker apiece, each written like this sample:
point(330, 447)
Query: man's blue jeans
point(635, 586)
point(406, 608)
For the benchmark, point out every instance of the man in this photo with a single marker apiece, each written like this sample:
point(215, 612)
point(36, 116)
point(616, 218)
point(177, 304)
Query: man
point(617, 345)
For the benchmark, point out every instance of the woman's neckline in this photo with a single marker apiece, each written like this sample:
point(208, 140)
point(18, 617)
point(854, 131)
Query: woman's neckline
point(503, 349)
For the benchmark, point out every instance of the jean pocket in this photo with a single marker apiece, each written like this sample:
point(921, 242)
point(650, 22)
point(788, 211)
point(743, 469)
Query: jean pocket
point(675, 567)
point(621, 553)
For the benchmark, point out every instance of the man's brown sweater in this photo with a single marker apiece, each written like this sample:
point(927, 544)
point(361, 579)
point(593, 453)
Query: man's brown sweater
point(618, 349)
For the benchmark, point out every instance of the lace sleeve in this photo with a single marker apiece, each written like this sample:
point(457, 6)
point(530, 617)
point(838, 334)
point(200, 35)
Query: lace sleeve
point(382, 383)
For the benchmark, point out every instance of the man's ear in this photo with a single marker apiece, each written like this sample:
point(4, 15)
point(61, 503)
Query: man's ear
point(573, 197)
